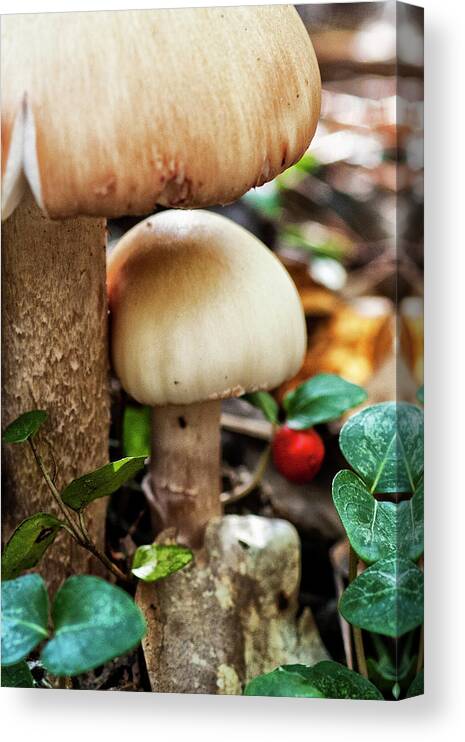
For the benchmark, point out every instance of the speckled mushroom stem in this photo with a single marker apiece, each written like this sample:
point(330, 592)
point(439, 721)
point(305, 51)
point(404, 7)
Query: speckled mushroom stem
point(185, 468)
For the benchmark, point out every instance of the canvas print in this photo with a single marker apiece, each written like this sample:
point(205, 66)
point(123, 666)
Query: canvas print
point(212, 351)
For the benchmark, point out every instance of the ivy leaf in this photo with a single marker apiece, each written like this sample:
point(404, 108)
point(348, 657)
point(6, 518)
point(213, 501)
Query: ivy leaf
point(155, 561)
point(266, 403)
point(387, 598)
point(136, 431)
point(384, 444)
point(28, 543)
point(24, 427)
point(377, 530)
point(322, 398)
point(417, 686)
point(24, 617)
point(101, 483)
point(17, 676)
point(282, 682)
point(326, 679)
point(94, 622)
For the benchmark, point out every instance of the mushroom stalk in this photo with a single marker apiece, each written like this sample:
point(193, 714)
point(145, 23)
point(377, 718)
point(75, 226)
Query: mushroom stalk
point(54, 357)
point(185, 468)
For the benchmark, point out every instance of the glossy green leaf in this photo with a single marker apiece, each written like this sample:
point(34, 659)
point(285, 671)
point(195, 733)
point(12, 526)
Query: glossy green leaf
point(24, 427)
point(322, 398)
point(284, 683)
point(384, 444)
point(417, 686)
point(155, 561)
point(17, 676)
point(391, 666)
point(266, 403)
point(387, 598)
point(136, 431)
point(326, 679)
point(421, 394)
point(102, 482)
point(94, 622)
point(377, 530)
point(28, 543)
point(24, 617)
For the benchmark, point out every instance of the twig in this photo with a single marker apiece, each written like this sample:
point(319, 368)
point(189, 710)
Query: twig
point(237, 494)
point(358, 637)
point(261, 429)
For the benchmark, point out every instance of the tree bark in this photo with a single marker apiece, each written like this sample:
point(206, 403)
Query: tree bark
point(232, 613)
point(54, 357)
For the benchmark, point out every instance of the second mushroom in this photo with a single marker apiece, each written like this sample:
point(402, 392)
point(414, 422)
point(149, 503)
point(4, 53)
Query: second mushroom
point(201, 311)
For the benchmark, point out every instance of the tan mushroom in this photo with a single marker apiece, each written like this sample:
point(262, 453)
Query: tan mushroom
point(200, 310)
point(107, 114)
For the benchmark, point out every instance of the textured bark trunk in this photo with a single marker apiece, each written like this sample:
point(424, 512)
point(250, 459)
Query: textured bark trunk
point(185, 468)
point(232, 613)
point(54, 357)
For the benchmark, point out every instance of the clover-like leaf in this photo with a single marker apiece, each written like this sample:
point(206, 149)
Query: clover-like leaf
point(326, 679)
point(323, 398)
point(387, 598)
point(94, 622)
point(282, 682)
point(266, 403)
point(155, 561)
point(24, 617)
point(377, 530)
point(17, 676)
point(28, 543)
point(24, 427)
point(384, 444)
point(102, 482)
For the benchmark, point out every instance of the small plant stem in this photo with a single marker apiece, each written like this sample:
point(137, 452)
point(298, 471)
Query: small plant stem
point(358, 637)
point(55, 494)
point(90, 546)
point(421, 649)
point(227, 498)
point(78, 532)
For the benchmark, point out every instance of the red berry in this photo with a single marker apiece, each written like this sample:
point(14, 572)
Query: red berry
point(298, 454)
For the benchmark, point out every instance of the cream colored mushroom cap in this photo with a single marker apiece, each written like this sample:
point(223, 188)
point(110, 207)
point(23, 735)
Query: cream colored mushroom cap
point(110, 113)
point(200, 310)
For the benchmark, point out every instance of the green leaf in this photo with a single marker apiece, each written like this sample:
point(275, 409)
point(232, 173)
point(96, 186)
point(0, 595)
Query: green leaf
point(337, 681)
point(378, 529)
point(136, 431)
point(266, 403)
point(387, 598)
point(390, 668)
point(28, 543)
point(155, 561)
point(417, 686)
point(282, 682)
point(326, 679)
point(102, 482)
point(24, 617)
point(24, 427)
point(323, 398)
point(94, 622)
point(17, 676)
point(384, 444)
point(421, 394)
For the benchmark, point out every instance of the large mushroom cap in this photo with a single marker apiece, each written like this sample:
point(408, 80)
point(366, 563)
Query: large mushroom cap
point(201, 309)
point(110, 113)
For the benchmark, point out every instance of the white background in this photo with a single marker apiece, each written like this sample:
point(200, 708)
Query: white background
point(120, 717)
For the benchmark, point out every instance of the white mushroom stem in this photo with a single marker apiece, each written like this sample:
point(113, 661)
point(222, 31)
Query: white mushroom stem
point(185, 468)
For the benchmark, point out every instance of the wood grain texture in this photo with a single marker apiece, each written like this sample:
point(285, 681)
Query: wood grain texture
point(54, 357)
point(232, 613)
